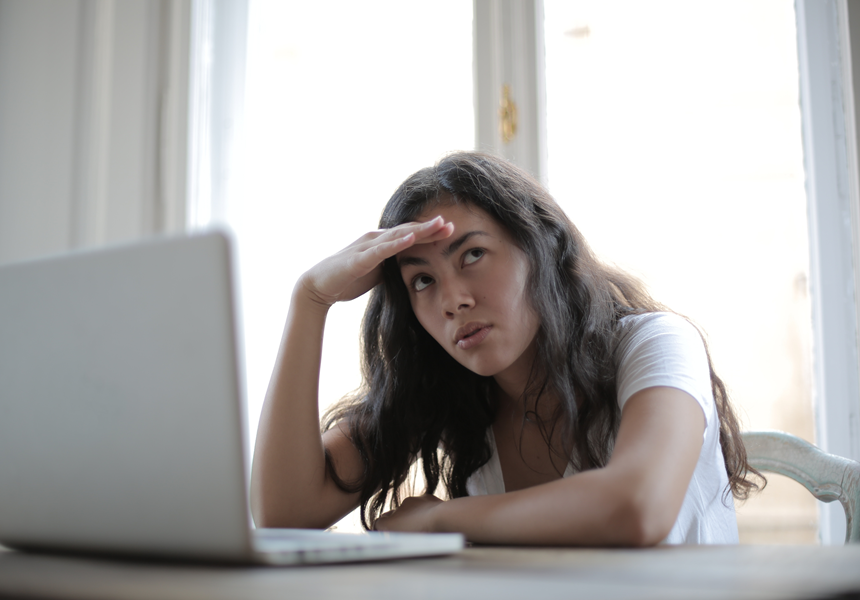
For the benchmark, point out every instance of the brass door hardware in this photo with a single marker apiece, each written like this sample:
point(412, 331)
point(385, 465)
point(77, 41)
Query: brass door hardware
point(507, 115)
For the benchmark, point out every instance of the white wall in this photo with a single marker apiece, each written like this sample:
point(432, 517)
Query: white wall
point(93, 100)
point(37, 103)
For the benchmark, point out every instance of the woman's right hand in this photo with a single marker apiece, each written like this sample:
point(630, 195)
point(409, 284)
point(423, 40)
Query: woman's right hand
point(358, 268)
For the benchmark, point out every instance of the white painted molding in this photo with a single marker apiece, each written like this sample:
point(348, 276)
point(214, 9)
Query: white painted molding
point(92, 139)
point(174, 108)
point(199, 179)
point(94, 107)
point(832, 277)
point(509, 50)
point(849, 50)
point(218, 49)
point(131, 132)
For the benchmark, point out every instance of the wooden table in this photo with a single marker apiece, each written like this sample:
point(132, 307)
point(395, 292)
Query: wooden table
point(663, 573)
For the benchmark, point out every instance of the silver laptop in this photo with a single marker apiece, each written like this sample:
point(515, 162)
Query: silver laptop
point(122, 416)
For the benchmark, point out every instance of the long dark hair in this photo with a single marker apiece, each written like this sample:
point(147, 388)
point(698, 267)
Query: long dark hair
point(416, 401)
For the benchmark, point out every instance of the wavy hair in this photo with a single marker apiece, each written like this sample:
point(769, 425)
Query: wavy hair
point(417, 401)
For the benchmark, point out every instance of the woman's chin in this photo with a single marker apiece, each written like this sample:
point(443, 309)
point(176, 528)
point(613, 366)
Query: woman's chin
point(482, 368)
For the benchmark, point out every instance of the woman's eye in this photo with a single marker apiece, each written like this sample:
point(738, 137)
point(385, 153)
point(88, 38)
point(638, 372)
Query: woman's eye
point(472, 256)
point(421, 282)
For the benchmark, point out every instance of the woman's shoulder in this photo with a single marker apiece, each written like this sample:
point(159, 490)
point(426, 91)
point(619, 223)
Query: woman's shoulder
point(661, 349)
point(654, 321)
point(656, 331)
point(652, 328)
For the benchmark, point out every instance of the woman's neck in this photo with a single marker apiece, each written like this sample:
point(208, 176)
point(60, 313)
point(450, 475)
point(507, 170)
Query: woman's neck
point(519, 396)
point(516, 378)
point(525, 401)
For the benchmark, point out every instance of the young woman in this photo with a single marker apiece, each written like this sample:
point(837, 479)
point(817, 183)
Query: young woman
point(547, 396)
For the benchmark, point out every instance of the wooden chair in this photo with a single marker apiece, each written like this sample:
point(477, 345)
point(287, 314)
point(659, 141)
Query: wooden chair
point(827, 477)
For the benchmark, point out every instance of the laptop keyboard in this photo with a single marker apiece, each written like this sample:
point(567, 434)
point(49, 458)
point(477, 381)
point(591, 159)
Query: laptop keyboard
point(279, 540)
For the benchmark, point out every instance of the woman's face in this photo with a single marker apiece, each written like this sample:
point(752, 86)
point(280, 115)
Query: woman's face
point(469, 292)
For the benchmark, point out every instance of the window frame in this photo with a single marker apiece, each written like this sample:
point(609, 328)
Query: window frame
point(830, 160)
point(509, 49)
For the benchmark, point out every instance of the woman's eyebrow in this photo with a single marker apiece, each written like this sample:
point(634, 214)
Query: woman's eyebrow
point(452, 247)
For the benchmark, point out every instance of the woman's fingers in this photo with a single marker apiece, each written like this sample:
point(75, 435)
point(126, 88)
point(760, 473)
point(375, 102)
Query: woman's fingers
point(370, 258)
point(398, 239)
point(414, 514)
point(439, 234)
point(356, 269)
point(427, 231)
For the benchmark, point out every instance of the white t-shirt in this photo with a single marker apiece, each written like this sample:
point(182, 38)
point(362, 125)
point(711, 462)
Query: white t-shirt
point(662, 349)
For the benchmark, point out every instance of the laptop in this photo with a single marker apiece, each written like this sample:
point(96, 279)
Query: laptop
point(122, 413)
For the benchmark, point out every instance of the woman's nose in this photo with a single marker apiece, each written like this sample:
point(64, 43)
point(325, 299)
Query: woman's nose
point(455, 299)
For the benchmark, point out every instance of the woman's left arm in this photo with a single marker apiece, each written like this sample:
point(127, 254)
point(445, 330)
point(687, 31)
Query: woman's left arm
point(633, 501)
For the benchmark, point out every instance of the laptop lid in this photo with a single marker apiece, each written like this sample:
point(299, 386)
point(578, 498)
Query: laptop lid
point(121, 416)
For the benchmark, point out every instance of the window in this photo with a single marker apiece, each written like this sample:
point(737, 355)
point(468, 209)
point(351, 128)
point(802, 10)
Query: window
point(344, 100)
point(674, 143)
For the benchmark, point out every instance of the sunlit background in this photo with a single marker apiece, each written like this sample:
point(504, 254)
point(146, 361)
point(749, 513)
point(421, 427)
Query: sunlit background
point(675, 145)
point(673, 141)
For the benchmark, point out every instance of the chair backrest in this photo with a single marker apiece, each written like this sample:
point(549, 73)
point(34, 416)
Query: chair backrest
point(827, 477)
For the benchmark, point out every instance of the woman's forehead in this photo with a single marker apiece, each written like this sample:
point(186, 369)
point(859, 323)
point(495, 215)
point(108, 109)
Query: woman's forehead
point(453, 210)
point(470, 222)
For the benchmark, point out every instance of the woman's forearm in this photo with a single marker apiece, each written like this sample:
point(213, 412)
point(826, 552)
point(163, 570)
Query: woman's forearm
point(591, 508)
point(633, 501)
point(289, 487)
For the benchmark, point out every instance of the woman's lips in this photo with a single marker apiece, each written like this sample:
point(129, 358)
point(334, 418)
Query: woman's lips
point(474, 336)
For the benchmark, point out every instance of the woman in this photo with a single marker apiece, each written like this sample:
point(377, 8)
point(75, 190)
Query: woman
point(553, 400)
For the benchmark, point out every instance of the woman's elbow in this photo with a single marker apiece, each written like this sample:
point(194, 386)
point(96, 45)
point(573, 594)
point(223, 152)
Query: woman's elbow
point(643, 522)
point(291, 513)
point(267, 511)
point(262, 513)
point(265, 517)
